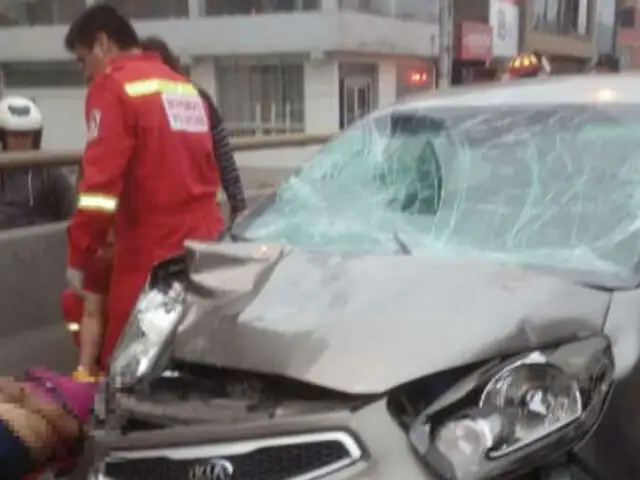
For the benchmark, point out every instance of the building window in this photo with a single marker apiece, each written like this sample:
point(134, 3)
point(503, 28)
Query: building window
point(42, 75)
point(627, 17)
point(251, 7)
point(261, 99)
point(561, 17)
point(41, 12)
point(358, 6)
point(150, 9)
point(423, 11)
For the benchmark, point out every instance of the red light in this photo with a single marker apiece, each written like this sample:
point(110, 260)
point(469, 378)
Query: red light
point(417, 77)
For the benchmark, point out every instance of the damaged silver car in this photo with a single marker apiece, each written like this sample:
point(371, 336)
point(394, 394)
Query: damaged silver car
point(447, 290)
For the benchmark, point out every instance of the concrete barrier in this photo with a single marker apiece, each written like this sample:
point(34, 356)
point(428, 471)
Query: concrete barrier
point(33, 276)
point(32, 332)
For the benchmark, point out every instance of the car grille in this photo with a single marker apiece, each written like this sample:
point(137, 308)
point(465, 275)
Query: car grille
point(282, 458)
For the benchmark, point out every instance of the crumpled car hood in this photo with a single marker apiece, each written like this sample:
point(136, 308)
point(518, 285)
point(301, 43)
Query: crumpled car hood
point(364, 324)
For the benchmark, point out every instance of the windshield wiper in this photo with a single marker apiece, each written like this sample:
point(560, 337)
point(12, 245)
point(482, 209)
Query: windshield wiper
point(402, 245)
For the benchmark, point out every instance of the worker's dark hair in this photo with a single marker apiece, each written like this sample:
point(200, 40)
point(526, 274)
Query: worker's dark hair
point(159, 46)
point(101, 18)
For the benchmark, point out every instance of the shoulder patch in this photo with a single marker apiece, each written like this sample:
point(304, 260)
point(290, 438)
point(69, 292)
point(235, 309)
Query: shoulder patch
point(185, 113)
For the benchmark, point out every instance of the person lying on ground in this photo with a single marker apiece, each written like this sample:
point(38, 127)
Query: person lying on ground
point(42, 420)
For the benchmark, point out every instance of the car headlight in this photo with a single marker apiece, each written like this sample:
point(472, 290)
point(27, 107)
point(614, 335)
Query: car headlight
point(154, 318)
point(518, 414)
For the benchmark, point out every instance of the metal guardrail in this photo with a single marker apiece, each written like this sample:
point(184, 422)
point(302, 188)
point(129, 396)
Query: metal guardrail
point(70, 158)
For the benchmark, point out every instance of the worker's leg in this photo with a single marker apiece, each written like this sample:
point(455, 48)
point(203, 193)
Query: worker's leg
point(123, 294)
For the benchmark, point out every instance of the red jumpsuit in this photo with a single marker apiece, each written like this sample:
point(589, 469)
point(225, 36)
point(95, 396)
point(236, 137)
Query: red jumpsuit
point(148, 171)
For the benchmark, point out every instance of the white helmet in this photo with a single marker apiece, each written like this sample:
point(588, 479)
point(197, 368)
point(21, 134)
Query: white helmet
point(19, 114)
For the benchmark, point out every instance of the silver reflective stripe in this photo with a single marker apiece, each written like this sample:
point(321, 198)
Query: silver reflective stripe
point(91, 201)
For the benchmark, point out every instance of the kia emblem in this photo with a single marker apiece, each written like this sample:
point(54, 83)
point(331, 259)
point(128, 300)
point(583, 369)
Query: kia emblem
point(214, 469)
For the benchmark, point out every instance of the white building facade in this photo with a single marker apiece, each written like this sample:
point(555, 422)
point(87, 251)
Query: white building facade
point(274, 66)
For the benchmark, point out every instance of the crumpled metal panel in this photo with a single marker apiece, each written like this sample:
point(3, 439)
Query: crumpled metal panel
point(364, 324)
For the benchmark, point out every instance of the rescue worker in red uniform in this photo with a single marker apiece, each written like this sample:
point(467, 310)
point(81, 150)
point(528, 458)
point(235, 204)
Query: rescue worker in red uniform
point(148, 166)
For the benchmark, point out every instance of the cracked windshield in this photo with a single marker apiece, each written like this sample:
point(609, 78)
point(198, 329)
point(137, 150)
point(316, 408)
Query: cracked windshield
point(548, 186)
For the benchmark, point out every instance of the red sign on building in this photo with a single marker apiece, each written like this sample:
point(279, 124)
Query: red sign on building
point(474, 41)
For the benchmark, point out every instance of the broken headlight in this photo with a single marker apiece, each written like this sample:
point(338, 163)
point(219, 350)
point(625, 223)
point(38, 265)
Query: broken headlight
point(517, 414)
point(154, 319)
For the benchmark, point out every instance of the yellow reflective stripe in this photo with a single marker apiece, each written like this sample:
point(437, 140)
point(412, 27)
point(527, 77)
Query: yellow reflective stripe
point(93, 201)
point(140, 88)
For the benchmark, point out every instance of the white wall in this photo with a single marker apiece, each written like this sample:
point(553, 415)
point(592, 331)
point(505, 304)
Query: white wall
point(321, 97)
point(387, 83)
point(63, 112)
point(204, 74)
point(285, 33)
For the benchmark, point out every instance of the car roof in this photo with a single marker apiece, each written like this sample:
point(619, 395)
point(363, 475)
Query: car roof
point(560, 89)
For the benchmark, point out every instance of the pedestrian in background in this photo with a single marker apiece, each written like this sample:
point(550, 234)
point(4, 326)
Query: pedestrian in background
point(32, 195)
point(226, 162)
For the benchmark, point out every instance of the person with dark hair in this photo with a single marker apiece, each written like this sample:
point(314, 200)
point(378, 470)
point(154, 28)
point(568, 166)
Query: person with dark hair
point(226, 162)
point(98, 34)
point(606, 63)
point(148, 171)
point(159, 46)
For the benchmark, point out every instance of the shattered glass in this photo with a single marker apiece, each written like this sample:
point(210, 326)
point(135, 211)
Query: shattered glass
point(556, 186)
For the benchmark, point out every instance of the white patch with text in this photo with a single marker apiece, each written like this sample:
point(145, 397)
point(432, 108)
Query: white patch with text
point(185, 113)
point(93, 124)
